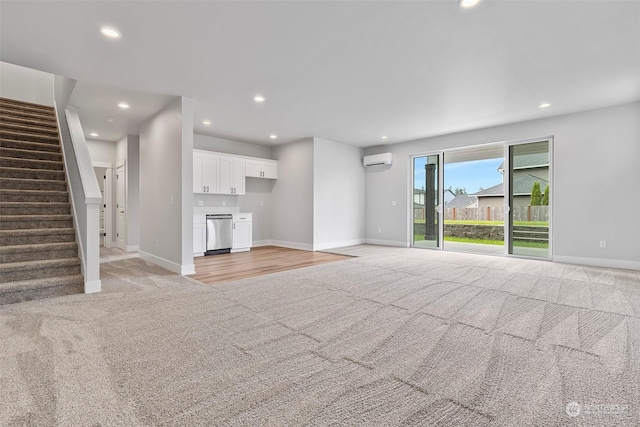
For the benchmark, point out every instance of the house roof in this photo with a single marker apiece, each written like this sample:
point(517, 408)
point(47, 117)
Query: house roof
point(522, 185)
point(525, 161)
point(461, 201)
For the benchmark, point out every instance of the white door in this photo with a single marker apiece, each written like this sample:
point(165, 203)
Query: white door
point(121, 219)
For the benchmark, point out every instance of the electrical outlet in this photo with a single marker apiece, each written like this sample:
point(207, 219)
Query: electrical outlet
point(224, 203)
point(200, 203)
point(261, 202)
point(379, 230)
point(158, 243)
point(393, 203)
point(171, 200)
point(603, 244)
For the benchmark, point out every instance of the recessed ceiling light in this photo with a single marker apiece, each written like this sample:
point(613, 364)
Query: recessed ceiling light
point(258, 98)
point(272, 136)
point(206, 122)
point(111, 32)
point(110, 119)
point(123, 105)
point(467, 3)
point(93, 134)
point(384, 137)
point(545, 105)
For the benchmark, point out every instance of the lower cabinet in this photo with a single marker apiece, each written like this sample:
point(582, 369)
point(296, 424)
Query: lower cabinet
point(242, 232)
point(199, 234)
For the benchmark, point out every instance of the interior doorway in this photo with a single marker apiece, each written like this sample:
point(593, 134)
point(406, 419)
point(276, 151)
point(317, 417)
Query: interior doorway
point(104, 174)
point(121, 197)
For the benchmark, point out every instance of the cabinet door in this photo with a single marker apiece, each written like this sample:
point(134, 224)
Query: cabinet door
point(238, 176)
point(270, 170)
point(231, 176)
point(198, 173)
point(210, 174)
point(242, 235)
point(199, 238)
point(254, 169)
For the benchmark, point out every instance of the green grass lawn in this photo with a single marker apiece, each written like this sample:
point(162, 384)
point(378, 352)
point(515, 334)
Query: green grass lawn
point(517, 243)
point(471, 222)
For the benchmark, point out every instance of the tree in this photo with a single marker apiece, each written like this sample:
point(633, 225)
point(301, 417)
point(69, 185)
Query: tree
point(536, 195)
point(460, 191)
point(545, 197)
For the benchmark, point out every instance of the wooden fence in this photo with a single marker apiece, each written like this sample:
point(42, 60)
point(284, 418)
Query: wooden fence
point(521, 213)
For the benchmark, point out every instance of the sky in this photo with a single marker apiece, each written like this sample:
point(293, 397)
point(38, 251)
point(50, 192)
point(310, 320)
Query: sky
point(470, 175)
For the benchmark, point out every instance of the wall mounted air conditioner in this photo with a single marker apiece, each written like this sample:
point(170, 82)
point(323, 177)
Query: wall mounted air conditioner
point(377, 159)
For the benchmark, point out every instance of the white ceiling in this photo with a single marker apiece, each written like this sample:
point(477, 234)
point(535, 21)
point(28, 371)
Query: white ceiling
point(348, 71)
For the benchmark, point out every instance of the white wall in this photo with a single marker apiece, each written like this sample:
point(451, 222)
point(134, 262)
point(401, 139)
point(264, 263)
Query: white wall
point(26, 84)
point(203, 142)
point(257, 199)
point(102, 151)
point(338, 195)
point(166, 184)
point(596, 155)
point(133, 192)
point(292, 195)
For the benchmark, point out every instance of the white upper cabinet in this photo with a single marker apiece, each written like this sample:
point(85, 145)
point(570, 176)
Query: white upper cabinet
point(232, 175)
point(205, 173)
point(216, 173)
point(258, 168)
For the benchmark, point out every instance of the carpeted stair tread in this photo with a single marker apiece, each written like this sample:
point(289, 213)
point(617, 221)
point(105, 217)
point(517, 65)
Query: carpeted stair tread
point(28, 114)
point(10, 195)
point(25, 106)
point(19, 253)
point(25, 173)
point(27, 290)
point(28, 121)
point(53, 160)
point(37, 248)
point(36, 236)
point(30, 128)
point(31, 163)
point(34, 208)
point(28, 136)
point(26, 145)
point(32, 184)
point(33, 265)
point(19, 222)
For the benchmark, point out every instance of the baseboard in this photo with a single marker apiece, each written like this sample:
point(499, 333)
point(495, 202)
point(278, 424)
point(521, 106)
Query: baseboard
point(341, 244)
point(256, 243)
point(168, 265)
point(92, 287)
point(292, 245)
point(598, 262)
point(132, 248)
point(386, 243)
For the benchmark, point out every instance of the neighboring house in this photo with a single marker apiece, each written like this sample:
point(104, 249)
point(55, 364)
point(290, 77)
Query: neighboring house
point(462, 201)
point(418, 197)
point(527, 169)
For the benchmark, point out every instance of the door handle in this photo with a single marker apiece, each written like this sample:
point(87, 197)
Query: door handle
point(439, 208)
point(507, 208)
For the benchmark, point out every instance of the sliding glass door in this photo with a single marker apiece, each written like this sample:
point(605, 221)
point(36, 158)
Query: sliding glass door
point(529, 199)
point(427, 209)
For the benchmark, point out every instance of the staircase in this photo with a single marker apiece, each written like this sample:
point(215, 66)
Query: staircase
point(38, 249)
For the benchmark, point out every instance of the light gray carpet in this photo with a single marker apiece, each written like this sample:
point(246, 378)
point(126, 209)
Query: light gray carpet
point(392, 337)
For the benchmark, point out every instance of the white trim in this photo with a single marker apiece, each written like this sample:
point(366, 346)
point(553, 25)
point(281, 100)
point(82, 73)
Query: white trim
point(340, 244)
point(394, 243)
point(598, 262)
point(105, 165)
point(132, 248)
point(92, 287)
point(168, 265)
point(292, 245)
point(266, 242)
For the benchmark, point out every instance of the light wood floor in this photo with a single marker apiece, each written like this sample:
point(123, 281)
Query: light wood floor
point(256, 262)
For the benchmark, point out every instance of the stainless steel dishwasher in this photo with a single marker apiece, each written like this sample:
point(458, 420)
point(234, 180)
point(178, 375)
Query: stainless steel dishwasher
point(219, 233)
